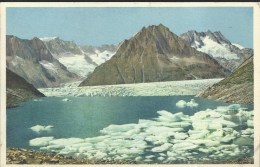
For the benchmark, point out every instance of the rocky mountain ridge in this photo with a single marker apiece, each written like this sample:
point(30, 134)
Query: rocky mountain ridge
point(81, 60)
point(215, 44)
point(31, 60)
point(155, 54)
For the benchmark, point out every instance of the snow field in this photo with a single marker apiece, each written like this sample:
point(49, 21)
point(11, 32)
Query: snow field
point(77, 64)
point(215, 49)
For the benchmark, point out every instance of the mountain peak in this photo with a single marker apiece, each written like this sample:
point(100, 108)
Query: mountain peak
point(155, 27)
point(154, 54)
point(193, 32)
point(217, 46)
point(156, 38)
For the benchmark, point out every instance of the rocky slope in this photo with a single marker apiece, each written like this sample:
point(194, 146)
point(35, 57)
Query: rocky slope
point(31, 60)
point(18, 89)
point(155, 54)
point(236, 88)
point(80, 60)
point(215, 44)
point(23, 156)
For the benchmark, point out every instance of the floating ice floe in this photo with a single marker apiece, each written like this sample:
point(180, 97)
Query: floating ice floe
point(41, 141)
point(191, 104)
point(40, 128)
point(65, 99)
point(37, 99)
point(210, 135)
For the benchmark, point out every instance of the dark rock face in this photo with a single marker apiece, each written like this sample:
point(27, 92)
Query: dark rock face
point(196, 40)
point(91, 49)
point(60, 47)
point(19, 90)
point(238, 87)
point(31, 60)
point(155, 54)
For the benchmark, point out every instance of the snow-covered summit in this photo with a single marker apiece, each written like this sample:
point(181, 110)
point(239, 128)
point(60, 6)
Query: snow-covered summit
point(238, 45)
point(45, 39)
point(215, 49)
point(215, 44)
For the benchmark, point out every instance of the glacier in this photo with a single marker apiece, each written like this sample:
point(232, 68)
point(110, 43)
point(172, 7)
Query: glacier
point(77, 64)
point(208, 135)
point(170, 88)
point(215, 49)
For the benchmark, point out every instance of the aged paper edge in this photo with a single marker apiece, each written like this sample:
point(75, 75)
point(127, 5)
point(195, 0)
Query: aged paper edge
point(256, 8)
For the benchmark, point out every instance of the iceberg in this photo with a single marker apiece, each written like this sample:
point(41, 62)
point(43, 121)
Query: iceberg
point(40, 128)
point(66, 99)
point(162, 148)
point(41, 141)
point(169, 138)
point(183, 104)
point(192, 103)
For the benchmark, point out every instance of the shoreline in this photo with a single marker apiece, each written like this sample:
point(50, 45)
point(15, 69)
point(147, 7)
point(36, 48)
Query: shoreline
point(25, 156)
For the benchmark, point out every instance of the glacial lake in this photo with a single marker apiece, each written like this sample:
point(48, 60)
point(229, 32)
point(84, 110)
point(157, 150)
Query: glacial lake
point(85, 117)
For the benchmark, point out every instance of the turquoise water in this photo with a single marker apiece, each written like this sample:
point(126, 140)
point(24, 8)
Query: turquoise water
point(83, 117)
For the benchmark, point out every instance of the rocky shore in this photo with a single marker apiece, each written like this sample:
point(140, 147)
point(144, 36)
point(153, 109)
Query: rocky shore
point(23, 156)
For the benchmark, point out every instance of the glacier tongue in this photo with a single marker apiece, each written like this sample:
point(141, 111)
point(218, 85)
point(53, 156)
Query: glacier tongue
point(171, 88)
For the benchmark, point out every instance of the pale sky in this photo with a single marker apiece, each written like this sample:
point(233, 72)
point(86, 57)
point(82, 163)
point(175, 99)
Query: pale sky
point(110, 25)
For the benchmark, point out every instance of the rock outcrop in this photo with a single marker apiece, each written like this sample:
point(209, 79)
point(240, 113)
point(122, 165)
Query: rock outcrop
point(236, 88)
point(19, 90)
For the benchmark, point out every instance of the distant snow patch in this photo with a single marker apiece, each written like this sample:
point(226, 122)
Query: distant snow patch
point(100, 57)
point(49, 66)
point(237, 45)
point(46, 39)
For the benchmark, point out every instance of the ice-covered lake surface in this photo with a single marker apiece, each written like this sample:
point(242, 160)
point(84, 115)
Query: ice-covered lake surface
point(170, 88)
point(156, 129)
